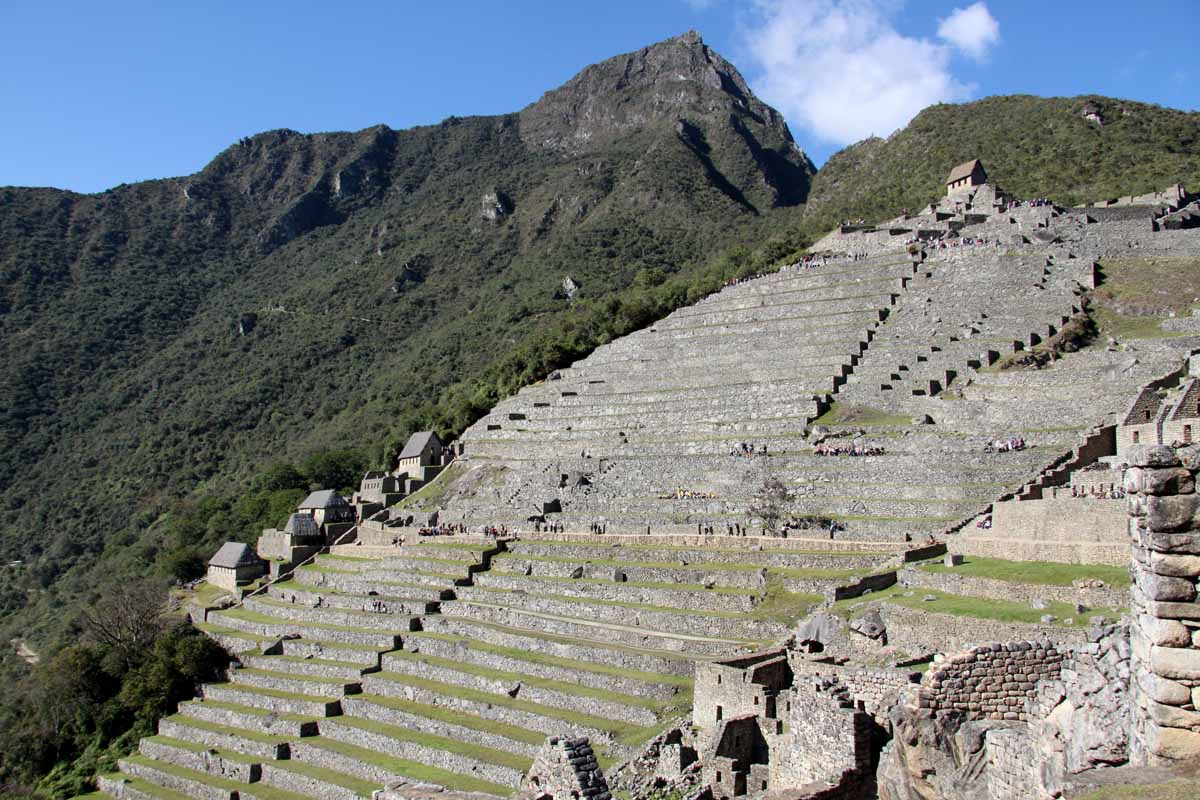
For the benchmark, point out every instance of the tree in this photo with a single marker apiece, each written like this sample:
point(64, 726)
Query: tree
point(770, 502)
point(128, 618)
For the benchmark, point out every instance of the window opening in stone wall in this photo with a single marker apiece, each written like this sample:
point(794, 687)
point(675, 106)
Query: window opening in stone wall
point(764, 786)
point(756, 700)
point(718, 680)
point(719, 715)
point(1137, 437)
point(1187, 434)
point(1147, 413)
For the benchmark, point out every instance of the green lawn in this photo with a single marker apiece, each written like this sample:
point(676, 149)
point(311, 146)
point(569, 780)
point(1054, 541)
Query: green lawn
point(977, 607)
point(840, 414)
point(1040, 572)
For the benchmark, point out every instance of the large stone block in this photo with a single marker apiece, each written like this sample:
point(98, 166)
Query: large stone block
point(1168, 481)
point(1171, 513)
point(1177, 663)
point(1166, 632)
point(1178, 543)
point(1163, 690)
point(1151, 455)
point(1178, 565)
point(1172, 716)
point(1174, 744)
point(1186, 611)
point(1165, 588)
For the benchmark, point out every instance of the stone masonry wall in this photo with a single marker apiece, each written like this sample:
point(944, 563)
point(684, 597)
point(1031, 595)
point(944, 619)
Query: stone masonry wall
point(1165, 532)
point(972, 586)
point(919, 630)
point(566, 768)
point(992, 681)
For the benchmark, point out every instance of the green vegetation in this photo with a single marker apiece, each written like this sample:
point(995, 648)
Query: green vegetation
point(978, 607)
point(1134, 295)
point(1031, 146)
point(412, 769)
point(1039, 572)
point(72, 715)
point(456, 717)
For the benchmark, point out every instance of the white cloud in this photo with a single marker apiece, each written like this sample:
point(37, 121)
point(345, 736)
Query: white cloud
point(841, 69)
point(973, 30)
point(701, 5)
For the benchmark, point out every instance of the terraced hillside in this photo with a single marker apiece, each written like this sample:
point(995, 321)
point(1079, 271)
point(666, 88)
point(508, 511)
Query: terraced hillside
point(886, 351)
point(451, 662)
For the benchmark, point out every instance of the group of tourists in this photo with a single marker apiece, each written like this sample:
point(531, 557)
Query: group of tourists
point(1037, 202)
point(688, 494)
point(745, 450)
point(1099, 493)
point(1012, 445)
point(598, 528)
point(985, 523)
point(442, 530)
point(547, 527)
point(848, 450)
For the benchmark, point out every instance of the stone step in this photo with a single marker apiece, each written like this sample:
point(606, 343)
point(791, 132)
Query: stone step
point(187, 782)
point(542, 691)
point(485, 705)
point(127, 787)
point(363, 656)
point(322, 615)
point(381, 768)
point(581, 672)
point(665, 595)
point(224, 764)
point(450, 551)
point(224, 737)
point(654, 618)
point(384, 601)
point(251, 622)
point(346, 671)
point(307, 780)
point(597, 631)
point(293, 683)
point(439, 721)
point(400, 565)
point(477, 761)
point(273, 700)
point(422, 586)
point(249, 717)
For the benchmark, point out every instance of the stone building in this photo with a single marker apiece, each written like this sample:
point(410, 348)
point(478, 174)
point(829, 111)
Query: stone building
point(234, 565)
point(1141, 424)
point(965, 177)
point(380, 488)
point(1181, 425)
point(422, 451)
point(299, 540)
point(1161, 416)
point(326, 507)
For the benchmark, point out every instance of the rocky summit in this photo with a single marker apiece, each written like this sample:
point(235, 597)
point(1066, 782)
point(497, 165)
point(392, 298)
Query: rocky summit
point(909, 512)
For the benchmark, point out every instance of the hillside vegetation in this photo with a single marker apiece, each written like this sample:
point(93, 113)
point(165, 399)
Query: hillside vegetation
point(1031, 146)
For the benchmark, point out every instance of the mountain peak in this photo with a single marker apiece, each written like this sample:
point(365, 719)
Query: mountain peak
point(680, 78)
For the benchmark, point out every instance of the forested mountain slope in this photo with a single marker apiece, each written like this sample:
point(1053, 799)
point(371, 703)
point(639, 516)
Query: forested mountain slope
point(170, 338)
point(1070, 149)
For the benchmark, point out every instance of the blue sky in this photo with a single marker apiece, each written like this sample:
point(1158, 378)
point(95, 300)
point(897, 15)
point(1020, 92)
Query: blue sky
point(95, 94)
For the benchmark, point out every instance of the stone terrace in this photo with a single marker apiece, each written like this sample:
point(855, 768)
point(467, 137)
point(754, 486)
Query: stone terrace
point(638, 436)
point(451, 660)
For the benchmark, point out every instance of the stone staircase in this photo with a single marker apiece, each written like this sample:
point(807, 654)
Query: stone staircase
point(449, 661)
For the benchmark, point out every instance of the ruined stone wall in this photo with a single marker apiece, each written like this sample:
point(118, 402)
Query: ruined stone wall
point(875, 688)
point(993, 681)
point(566, 769)
point(828, 738)
point(1165, 532)
point(1011, 754)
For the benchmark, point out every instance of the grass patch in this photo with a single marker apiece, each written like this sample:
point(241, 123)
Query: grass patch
point(213, 727)
point(354, 784)
point(1153, 285)
point(144, 787)
point(976, 607)
point(791, 572)
point(1039, 572)
point(842, 414)
point(206, 595)
point(248, 710)
point(433, 493)
point(666, 655)
point(782, 606)
point(1129, 326)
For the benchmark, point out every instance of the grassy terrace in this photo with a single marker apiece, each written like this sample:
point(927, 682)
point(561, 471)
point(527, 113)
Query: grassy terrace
point(574, 640)
point(621, 731)
point(787, 572)
point(411, 769)
point(433, 493)
point(533, 657)
point(976, 607)
point(840, 414)
point(455, 717)
point(227, 730)
point(254, 710)
point(144, 787)
point(453, 665)
point(1040, 572)
point(478, 752)
point(259, 790)
point(675, 548)
point(254, 616)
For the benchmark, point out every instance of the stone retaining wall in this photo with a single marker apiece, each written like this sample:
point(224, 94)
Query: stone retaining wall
point(993, 681)
point(972, 586)
point(927, 631)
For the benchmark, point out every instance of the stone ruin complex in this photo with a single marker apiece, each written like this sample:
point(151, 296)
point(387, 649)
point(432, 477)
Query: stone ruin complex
point(869, 526)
